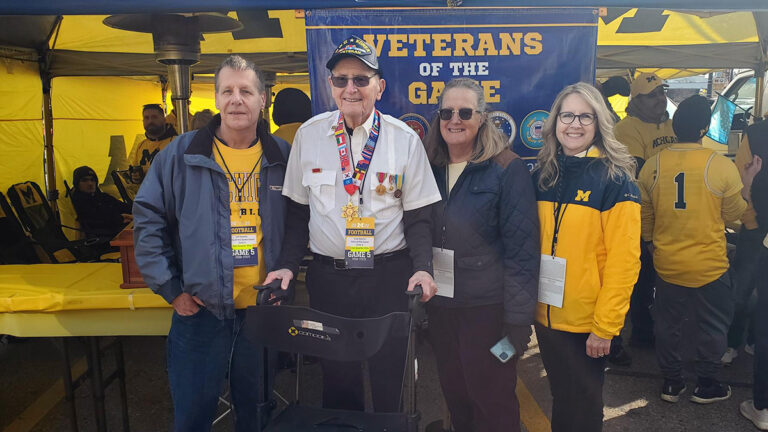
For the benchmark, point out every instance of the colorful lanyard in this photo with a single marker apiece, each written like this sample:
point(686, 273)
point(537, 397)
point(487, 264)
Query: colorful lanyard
point(354, 180)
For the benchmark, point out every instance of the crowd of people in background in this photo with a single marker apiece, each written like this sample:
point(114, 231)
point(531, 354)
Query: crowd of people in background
point(618, 216)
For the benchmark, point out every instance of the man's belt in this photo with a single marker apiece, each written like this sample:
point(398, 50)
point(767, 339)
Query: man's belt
point(340, 264)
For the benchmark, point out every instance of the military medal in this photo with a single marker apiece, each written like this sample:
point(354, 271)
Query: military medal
point(399, 185)
point(391, 182)
point(381, 189)
point(349, 211)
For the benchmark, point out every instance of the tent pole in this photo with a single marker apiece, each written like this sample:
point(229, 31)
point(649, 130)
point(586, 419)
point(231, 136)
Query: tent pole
point(52, 194)
point(759, 88)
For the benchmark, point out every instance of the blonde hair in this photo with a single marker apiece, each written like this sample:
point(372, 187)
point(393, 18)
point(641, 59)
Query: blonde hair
point(489, 141)
point(613, 154)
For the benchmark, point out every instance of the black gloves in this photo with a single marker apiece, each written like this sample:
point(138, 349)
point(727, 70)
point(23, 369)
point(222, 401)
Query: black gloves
point(519, 336)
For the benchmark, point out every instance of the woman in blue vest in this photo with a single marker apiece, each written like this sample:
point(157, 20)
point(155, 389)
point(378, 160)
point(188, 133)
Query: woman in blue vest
point(486, 251)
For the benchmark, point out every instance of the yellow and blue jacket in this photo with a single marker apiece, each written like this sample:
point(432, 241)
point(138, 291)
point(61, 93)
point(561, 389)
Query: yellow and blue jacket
point(599, 237)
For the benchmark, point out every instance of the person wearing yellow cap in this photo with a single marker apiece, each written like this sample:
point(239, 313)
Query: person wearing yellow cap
point(646, 130)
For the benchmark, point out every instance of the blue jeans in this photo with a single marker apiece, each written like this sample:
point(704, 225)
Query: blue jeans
point(201, 350)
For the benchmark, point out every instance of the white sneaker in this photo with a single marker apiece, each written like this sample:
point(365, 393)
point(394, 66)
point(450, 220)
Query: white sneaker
point(749, 349)
point(756, 416)
point(729, 355)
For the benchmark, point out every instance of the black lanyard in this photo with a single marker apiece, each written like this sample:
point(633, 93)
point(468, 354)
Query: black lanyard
point(239, 189)
point(559, 213)
point(558, 223)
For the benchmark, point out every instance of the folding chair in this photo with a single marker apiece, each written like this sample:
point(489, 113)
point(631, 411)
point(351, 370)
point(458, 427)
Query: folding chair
point(15, 246)
point(38, 219)
point(124, 185)
point(302, 330)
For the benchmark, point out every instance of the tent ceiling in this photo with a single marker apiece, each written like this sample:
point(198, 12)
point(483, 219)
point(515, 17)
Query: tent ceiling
point(75, 63)
point(99, 50)
point(627, 38)
point(721, 56)
point(630, 38)
point(26, 31)
point(48, 7)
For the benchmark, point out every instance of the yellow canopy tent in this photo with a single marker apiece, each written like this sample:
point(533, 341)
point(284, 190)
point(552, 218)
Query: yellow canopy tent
point(93, 115)
point(633, 38)
point(96, 104)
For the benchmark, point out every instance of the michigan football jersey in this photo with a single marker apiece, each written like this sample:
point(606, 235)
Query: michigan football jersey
point(642, 139)
point(687, 193)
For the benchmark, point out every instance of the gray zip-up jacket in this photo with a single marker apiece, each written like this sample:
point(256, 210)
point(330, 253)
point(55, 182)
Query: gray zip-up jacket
point(182, 232)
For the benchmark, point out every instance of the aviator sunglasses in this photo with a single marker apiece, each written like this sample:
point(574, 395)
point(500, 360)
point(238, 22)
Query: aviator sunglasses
point(464, 113)
point(358, 81)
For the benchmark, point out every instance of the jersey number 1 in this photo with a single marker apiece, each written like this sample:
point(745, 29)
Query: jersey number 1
point(680, 181)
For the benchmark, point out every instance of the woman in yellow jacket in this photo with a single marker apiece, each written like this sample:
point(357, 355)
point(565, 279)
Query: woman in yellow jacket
point(589, 212)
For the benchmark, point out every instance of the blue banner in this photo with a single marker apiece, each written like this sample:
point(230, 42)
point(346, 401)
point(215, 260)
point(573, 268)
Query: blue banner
point(722, 117)
point(522, 58)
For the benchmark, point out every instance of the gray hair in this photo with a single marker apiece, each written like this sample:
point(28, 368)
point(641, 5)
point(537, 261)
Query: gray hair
point(237, 63)
point(489, 141)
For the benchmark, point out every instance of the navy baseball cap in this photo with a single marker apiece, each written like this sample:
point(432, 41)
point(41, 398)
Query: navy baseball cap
point(355, 47)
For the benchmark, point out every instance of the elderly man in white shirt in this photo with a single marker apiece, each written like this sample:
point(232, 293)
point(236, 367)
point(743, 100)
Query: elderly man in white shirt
point(360, 187)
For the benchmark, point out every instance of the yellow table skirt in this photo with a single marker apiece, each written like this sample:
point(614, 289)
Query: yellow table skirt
point(82, 299)
point(114, 322)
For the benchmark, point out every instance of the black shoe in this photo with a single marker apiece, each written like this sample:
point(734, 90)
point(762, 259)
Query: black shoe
point(619, 356)
point(713, 392)
point(672, 389)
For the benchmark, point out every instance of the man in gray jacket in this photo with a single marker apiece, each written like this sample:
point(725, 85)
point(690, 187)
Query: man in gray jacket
point(209, 224)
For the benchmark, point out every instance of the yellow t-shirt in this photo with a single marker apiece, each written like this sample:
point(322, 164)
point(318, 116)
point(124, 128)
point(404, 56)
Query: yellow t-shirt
point(288, 131)
point(145, 151)
point(688, 192)
point(248, 245)
point(454, 171)
point(642, 139)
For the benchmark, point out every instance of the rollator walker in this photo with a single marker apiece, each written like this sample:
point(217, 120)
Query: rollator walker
point(304, 331)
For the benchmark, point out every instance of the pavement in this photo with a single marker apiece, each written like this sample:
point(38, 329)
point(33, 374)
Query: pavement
point(31, 391)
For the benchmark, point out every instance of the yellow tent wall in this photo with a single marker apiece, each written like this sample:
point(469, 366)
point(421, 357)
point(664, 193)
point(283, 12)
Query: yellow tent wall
point(21, 124)
point(96, 121)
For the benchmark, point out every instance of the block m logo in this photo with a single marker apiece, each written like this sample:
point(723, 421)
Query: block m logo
point(28, 195)
point(582, 196)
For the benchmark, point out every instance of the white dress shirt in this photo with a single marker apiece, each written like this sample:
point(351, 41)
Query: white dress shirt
point(314, 178)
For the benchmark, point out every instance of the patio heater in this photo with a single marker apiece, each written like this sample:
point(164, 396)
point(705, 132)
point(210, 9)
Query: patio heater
point(176, 39)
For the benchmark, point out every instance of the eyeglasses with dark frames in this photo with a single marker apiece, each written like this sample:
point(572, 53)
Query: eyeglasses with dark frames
point(464, 113)
point(585, 119)
point(358, 80)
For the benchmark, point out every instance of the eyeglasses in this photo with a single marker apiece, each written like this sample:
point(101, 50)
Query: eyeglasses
point(359, 81)
point(464, 113)
point(585, 119)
